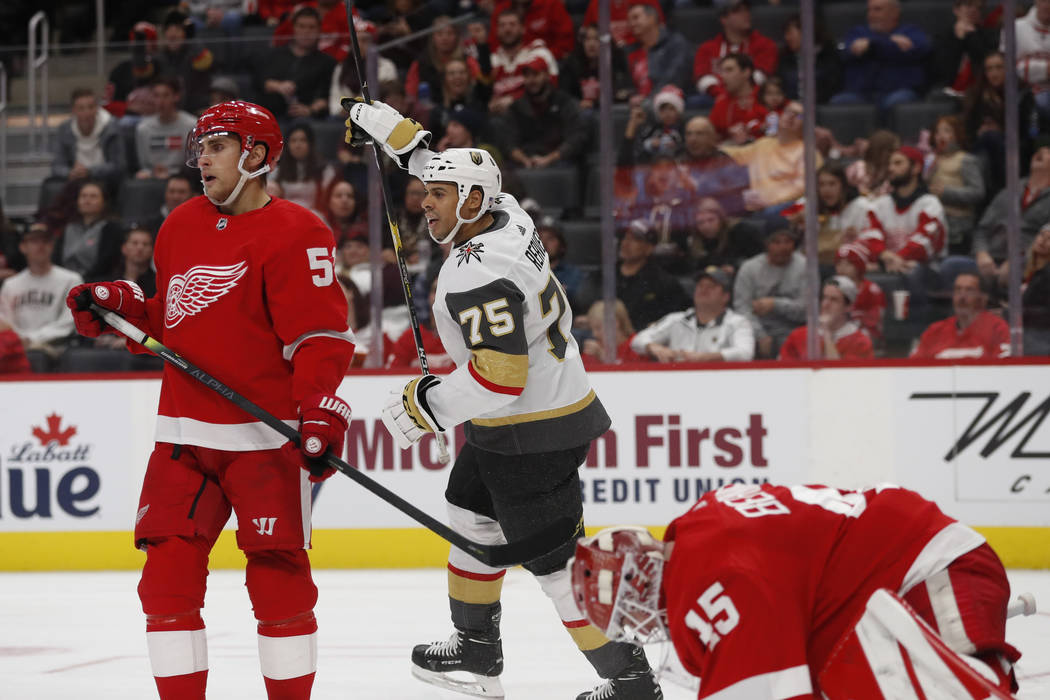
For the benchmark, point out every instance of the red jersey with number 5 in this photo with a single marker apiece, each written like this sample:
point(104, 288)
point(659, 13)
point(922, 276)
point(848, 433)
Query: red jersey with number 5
point(763, 581)
point(240, 296)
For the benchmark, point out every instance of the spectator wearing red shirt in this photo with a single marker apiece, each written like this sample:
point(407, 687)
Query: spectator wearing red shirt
point(659, 57)
point(841, 337)
point(737, 37)
point(738, 116)
point(443, 46)
point(510, 57)
point(972, 332)
point(546, 20)
point(13, 358)
point(335, 32)
point(619, 27)
point(403, 353)
point(270, 11)
point(869, 307)
point(593, 351)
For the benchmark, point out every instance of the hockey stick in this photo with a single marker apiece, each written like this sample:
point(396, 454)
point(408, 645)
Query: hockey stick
point(395, 232)
point(509, 554)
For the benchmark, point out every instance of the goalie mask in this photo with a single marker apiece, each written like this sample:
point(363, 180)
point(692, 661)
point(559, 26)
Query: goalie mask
point(466, 168)
point(250, 124)
point(616, 576)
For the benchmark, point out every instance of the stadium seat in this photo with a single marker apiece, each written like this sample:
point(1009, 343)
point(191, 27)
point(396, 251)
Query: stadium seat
point(245, 86)
point(696, 24)
point(50, 188)
point(95, 360)
point(556, 186)
point(254, 44)
point(329, 135)
point(910, 118)
point(848, 122)
point(141, 199)
point(769, 20)
point(839, 18)
point(932, 16)
point(131, 153)
point(584, 240)
point(39, 361)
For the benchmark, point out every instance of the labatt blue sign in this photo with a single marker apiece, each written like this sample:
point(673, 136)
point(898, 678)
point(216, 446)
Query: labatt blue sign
point(48, 474)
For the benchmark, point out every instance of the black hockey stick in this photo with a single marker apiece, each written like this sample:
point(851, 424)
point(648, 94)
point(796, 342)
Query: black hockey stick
point(517, 552)
point(395, 232)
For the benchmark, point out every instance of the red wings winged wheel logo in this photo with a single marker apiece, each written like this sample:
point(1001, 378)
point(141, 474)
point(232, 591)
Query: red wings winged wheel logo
point(198, 288)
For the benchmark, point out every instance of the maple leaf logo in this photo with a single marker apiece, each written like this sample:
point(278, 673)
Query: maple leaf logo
point(53, 432)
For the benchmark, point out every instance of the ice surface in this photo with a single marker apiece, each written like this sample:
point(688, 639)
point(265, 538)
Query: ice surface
point(80, 635)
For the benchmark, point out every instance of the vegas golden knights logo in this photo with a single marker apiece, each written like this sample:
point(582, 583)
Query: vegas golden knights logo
point(476, 157)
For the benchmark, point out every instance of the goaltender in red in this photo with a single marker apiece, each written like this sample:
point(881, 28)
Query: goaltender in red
point(246, 290)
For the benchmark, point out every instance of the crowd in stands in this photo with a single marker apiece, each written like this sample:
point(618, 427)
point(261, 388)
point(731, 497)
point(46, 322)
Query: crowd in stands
point(709, 179)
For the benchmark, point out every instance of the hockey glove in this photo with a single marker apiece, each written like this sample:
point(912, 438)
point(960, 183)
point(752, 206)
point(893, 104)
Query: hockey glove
point(379, 122)
point(407, 415)
point(323, 422)
point(126, 298)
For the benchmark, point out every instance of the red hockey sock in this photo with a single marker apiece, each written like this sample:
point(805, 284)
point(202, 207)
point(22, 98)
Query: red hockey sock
point(178, 653)
point(290, 689)
point(188, 687)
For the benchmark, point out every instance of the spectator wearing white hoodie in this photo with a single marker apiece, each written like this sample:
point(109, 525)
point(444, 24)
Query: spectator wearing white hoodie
point(89, 143)
point(1033, 53)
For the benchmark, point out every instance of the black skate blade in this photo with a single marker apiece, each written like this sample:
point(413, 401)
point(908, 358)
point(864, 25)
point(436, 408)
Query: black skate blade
point(520, 551)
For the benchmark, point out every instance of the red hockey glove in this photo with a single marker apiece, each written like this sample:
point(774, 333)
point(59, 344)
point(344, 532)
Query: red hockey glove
point(323, 422)
point(126, 298)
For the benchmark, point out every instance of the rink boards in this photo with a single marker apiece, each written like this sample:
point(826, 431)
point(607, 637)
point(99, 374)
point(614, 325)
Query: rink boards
point(971, 437)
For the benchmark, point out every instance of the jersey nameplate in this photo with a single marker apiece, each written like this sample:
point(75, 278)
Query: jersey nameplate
point(536, 253)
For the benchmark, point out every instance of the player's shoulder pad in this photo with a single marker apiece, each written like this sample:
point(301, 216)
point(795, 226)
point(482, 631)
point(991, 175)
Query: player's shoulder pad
point(294, 222)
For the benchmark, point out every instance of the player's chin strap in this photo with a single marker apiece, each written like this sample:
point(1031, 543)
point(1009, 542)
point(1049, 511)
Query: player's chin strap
point(459, 220)
point(245, 176)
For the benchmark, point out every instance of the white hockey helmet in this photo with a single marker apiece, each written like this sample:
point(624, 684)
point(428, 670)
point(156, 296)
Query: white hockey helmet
point(466, 168)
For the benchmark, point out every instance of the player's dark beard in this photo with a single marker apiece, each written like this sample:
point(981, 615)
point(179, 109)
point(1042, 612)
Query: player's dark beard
point(512, 43)
point(900, 181)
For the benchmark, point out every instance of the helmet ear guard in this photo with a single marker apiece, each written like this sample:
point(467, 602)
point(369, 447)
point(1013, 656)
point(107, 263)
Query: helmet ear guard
point(616, 582)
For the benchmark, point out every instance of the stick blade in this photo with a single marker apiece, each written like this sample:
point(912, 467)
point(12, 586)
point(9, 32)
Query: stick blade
point(536, 545)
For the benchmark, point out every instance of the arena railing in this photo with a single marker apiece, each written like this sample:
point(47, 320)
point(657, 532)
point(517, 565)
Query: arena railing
point(3, 132)
point(36, 65)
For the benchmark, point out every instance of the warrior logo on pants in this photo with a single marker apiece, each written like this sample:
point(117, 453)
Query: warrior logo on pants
point(264, 526)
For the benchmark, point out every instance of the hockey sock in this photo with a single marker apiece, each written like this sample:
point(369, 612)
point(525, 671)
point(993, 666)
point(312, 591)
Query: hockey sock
point(178, 654)
point(288, 656)
point(474, 601)
point(603, 655)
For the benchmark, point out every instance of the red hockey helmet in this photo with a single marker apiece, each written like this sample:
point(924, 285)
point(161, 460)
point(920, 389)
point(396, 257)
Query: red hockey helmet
point(616, 577)
point(249, 122)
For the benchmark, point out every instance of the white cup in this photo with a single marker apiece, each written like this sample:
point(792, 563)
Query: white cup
point(900, 304)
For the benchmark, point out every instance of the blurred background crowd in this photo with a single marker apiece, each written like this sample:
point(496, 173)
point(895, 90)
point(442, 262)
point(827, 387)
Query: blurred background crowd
point(709, 180)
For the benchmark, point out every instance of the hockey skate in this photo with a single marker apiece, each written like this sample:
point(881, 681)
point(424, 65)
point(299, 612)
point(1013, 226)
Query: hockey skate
point(467, 663)
point(635, 682)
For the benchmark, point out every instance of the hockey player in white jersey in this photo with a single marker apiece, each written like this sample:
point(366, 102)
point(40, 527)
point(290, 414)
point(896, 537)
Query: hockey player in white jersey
point(519, 389)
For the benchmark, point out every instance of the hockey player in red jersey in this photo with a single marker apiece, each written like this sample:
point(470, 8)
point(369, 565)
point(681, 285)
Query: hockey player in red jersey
point(758, 587)
point(246, 290)
point(527, 407)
